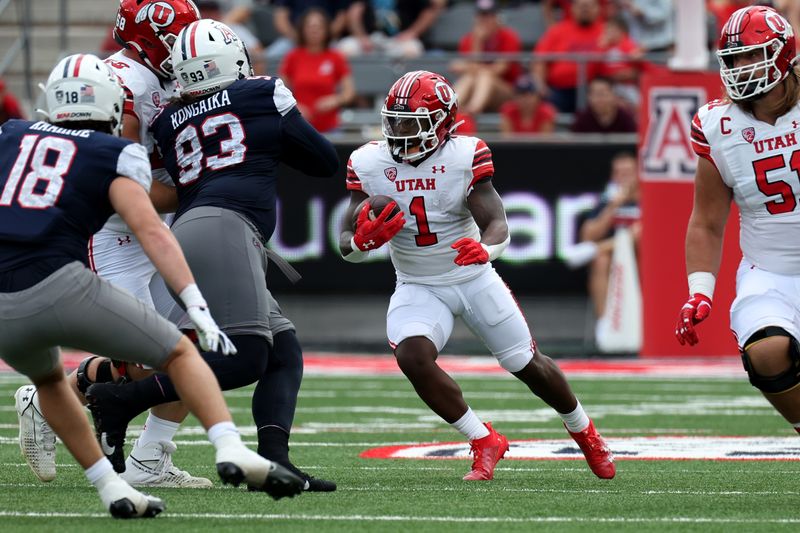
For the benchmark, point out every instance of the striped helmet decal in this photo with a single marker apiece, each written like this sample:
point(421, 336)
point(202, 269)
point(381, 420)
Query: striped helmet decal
point(734, 26)
point(75, 61)
point(405, 84)
point(188, 40)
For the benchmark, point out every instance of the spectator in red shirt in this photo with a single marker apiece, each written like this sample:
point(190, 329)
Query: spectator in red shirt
point(581, 33)
point(604, 114)
point(466, 124)
point(527, 112)
point(485, 85)
point(9, 106)
point(623, 63)
point(314, 72)
point(549, 8)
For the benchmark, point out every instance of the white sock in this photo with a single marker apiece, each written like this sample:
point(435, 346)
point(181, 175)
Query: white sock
point(98, 473)
point(470, 426)
point(157, 429)
point(224, 434)
point(576, 421)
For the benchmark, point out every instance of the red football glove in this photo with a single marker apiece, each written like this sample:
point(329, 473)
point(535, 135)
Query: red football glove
point(372, 234)
point(692, 313)
point(470, 252)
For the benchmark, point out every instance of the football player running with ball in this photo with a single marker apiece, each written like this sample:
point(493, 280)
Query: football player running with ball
point(451, 227)
point(748, 148)
point(60, 182)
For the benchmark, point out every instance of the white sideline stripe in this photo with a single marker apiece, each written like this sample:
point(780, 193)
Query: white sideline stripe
point(455, 519)
point(496, 490)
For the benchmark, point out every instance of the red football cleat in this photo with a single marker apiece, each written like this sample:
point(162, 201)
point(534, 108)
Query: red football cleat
point(597, 453)
point(487, 452)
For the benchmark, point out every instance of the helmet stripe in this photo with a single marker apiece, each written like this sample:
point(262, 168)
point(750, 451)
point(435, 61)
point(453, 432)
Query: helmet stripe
point(405, 87)
point(192, 43)
point(65, 74)
point(736, 23)
point(77, 66)
point(183, 43)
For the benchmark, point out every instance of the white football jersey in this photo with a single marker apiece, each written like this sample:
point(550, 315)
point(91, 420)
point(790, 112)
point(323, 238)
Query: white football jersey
point(146, 92)
point(761, 164)
point(433, 197)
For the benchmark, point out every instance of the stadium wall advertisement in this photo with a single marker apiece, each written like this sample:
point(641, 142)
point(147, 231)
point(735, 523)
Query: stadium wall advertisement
point(546, 189)
point(667, 166)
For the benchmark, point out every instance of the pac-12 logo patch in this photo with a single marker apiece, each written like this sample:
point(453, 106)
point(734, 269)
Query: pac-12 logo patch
point(390, 173)
point(749, 134)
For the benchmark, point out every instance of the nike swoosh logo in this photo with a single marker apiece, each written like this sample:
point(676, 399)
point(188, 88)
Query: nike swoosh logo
point(108, 450)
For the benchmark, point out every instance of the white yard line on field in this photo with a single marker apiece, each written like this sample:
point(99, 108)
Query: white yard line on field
point(451, 519)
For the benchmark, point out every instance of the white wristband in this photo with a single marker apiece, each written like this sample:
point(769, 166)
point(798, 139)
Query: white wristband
point(191, 297)
point(356, 255)
point(496, 250)
point(703, 283)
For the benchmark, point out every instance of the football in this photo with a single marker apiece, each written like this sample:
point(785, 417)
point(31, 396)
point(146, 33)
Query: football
point(377, 204)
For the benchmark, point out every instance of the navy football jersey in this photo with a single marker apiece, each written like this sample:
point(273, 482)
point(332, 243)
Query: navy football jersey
point(223, 150)
point(54, 186)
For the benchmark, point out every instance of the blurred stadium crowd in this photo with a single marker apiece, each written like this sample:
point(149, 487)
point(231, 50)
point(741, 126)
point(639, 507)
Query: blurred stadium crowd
point(519, 66)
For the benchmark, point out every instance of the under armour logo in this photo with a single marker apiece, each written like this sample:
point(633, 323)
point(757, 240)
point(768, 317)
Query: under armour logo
point(436, 169)
point(369, 244)
point(795, 124)
point(126, 240)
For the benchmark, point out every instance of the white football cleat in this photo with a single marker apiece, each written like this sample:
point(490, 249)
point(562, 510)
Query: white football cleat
point(123, 501)
point(36, 438)
point(151, 466)
point(237, 464)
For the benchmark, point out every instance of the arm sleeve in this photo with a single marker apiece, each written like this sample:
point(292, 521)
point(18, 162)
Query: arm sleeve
point(482, 164)
point(306, 149)
point(352, 181)
point(134, 163)
point(699, 142)
point(283, 98)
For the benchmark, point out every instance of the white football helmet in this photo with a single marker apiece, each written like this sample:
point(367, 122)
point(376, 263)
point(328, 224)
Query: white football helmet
point(207, 57)
point(82, 87)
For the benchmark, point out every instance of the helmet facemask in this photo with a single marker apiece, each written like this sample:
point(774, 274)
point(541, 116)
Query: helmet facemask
point(411, 135)
point(754, 79)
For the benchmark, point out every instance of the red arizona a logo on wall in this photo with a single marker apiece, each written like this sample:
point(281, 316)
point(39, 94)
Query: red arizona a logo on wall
point(667, 153)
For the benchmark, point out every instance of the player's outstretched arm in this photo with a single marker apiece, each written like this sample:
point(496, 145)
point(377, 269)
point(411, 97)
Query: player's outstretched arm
point(133, 204)
point(487, 209)
point(704, 236)
point(306, 149)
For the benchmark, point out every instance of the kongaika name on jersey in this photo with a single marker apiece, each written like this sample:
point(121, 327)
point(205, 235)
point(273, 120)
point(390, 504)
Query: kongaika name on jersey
point(211, 103)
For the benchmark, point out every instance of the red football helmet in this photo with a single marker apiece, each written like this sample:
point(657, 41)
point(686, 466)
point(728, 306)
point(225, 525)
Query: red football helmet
point(762, 31)
point(418, 115)
point(150, 28)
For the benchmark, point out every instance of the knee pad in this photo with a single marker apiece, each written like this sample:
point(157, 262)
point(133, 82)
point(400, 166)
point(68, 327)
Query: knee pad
point(103, 374)
point(516, 358)
point(784, 381)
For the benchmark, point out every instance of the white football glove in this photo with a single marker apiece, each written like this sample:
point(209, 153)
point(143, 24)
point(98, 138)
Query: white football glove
point(208, 333)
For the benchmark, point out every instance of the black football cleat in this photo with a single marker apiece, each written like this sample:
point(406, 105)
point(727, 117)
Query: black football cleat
point(237, 466)
point(111, 417)
point(310, 483)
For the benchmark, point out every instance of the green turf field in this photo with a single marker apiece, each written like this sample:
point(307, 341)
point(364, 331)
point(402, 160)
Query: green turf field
point(339, 417)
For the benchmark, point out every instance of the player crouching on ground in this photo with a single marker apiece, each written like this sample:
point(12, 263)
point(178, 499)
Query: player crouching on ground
point(748, 153)
point(443, 183)
point(60, 183)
